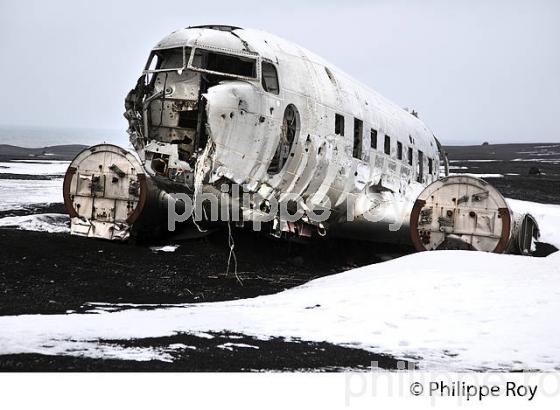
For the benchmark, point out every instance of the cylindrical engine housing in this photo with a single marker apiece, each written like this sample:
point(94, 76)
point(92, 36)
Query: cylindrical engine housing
point(105, 191)
point(464, 212)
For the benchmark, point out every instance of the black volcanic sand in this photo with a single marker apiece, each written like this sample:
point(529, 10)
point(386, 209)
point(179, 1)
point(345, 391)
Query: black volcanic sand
point(504, 159)
point(504, 152)
point(53, 273)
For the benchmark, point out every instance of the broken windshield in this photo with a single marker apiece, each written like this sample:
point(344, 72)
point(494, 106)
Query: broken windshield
point(227, 64)
point(170, 59)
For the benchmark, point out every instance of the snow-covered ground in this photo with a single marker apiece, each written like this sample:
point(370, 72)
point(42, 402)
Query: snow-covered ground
point(37, 167)
point(550, 161)
point(41, 222)
point(447, 310)
point(478, 175)
point(20, 193)
point(165, 248)
point(452, 161)
point(546, 215)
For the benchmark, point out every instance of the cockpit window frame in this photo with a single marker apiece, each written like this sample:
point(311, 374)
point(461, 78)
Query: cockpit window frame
point(155, 51)
point(237, 53)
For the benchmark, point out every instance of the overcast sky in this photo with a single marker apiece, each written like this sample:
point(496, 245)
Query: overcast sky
point(474, 70)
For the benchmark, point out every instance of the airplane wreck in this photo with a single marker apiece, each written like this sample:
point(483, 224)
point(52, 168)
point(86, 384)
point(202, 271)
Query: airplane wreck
point(220, 109)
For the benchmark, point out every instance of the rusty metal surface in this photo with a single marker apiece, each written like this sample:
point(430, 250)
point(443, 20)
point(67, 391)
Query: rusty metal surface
point(414, 216)
point(70, 172)
point(505, 215)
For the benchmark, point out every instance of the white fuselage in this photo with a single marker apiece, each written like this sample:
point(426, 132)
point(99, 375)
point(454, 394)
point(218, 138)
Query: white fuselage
point(305, 130)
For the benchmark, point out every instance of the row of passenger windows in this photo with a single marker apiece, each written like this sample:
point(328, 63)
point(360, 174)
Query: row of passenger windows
point(270, 84)
point(357, 149)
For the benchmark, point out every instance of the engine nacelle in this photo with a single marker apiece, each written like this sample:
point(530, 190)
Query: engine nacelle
point(463, 212)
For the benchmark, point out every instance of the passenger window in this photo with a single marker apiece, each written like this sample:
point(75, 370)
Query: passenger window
point(387, 145)
point(358, 132)
point(399, 150)
point(339, 124)
point(270, 78)
point(373, 139)
point(410, 156)
point(420, 168)
point(430, 166)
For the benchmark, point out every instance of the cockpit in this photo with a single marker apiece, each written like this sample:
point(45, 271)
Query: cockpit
point(203, 60)
point(167, 111)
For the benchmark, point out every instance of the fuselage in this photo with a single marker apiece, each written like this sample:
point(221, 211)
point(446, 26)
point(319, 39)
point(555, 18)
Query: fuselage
point(221, 105)
point(239, 125)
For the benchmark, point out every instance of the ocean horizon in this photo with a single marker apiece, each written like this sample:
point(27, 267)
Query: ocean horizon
point(38, 137)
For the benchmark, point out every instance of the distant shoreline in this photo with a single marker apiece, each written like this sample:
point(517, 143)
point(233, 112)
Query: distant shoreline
point(47, 136)
point(52, 153)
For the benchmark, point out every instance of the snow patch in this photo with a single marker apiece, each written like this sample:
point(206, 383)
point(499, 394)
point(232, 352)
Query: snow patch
point(166, 248)
point(548, 146)
point(546, 215)
point(33, 168)
point(181, 346)
point(548, 161)
point(479, 175)
point(53, 223)
point(474, 160)
point(232, 346)
point(43, 161)
point(19, 194)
